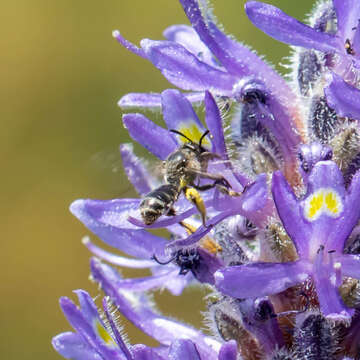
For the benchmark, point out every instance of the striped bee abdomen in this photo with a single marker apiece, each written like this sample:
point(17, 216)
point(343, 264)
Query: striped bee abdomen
point(158, 202)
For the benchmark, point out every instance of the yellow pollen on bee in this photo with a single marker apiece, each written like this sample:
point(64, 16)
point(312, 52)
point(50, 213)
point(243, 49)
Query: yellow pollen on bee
point(105, 336)
point(323, 201)
point(193, 133)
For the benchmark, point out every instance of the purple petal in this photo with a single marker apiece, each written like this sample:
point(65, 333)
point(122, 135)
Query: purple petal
point(253, 203)
point(184, 70)
point(143, 352)
point(285, 28)
point(214, 124)
point(274, 116)
point(153, 100)
point(135, 170)
point(228, 351)
point(289, 212)
point(179, 115)
point(128, 45)
point(103, 217)
point(330, 301)
point(117, 259)
point(139, 311)
point(201, 231)
point(326, 174)
point(343, 98)
point(184, 349)
point(130, 100)
point(327, 230)
point(237, 58)
point(350, 265)
point(356, 41)
point(72, 346)
point(209, 264)
point(161, 281)
point(187, 37)
point(350, 217)
point(347, 13)
point(177, 283)
point(258, 317)
point(153, 137)
point(215, 40)
point(260, 279)
point(84, 326)
point(87, 305)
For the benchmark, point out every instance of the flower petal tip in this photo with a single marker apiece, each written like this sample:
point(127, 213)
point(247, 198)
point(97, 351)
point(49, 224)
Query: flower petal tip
point(77, 207)
point(115, 33)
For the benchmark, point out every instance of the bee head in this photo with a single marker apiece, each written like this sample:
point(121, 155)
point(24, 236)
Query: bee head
point(191, 145)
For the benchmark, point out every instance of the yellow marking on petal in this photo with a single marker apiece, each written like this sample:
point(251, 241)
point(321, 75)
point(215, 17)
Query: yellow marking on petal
point(331, 202)
point(325, 200)
point(315, 204)
point(193, 133)
point(105, 336)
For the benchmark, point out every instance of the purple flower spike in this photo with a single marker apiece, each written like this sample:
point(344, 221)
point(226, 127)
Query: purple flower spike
point(283, 27)
point(258, 197)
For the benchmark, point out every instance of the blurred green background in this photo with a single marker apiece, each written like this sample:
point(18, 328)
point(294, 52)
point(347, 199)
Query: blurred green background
point(61, 76)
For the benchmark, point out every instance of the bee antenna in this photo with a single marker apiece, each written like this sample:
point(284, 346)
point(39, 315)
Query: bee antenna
point(162, 263)
point(181, 134)
point(203, 136)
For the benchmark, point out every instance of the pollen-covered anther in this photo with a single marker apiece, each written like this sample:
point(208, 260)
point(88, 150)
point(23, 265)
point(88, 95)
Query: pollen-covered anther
point(323, 201)
point(103, 334)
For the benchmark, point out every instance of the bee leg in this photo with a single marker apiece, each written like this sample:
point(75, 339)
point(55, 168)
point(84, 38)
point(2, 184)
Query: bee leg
point(227, 191)
point(193, 196)
point(171, 212)
point(207, 156)
point(219, 179)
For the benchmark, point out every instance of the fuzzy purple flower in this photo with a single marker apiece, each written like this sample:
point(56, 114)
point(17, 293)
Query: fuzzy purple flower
point(267, 216)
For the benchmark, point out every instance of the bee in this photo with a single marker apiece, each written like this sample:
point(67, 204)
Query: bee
point(183, 168)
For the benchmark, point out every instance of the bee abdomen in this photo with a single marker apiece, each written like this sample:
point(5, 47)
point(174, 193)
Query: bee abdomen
point(158, 202)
